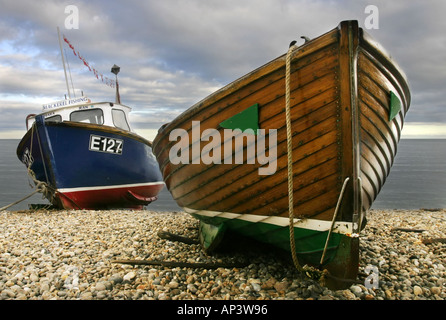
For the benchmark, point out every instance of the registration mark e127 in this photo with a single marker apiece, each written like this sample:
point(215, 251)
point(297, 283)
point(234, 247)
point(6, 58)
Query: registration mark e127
point(106, 144)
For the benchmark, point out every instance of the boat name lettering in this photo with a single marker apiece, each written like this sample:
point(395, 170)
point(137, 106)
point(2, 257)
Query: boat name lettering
point(106, 144)
point(64, 103)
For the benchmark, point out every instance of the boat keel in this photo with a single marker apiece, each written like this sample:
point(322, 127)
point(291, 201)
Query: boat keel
point(343, 268)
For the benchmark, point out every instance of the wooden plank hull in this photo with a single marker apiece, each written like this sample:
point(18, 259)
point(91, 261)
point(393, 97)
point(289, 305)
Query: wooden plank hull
point(341, 129)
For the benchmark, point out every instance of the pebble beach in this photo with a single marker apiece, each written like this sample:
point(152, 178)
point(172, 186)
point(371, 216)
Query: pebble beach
point(77, 255)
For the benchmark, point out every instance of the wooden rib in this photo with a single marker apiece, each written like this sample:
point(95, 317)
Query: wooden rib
point(323, 125)
point(252, 185)
point(379, 137)
point(319, 123)
point(211, 186)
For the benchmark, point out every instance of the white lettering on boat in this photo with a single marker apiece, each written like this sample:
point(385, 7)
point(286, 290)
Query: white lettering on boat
point(65, 103)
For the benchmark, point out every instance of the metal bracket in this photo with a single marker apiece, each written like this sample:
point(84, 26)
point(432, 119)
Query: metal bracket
point(334, 217)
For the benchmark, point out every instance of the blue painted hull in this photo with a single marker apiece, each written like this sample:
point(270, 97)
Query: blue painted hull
point(88, 166)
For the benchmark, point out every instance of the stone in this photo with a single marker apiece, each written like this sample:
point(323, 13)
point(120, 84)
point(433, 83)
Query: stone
point(86, 296)
point(348, 294)
point(281, 286)
point(129, 276)
point(357, 291)
point(100, 286)
point(173, 285)
point(417, 290)
point(436, 290)
point(38, 261)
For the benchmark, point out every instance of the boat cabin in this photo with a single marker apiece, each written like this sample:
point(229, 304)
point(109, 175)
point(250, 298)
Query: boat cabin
point(83, 110)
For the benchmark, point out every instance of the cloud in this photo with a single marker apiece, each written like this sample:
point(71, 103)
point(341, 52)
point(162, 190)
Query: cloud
point(174, 53)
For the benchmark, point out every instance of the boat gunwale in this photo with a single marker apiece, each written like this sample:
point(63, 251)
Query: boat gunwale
point(86, 126)
point(375, 50)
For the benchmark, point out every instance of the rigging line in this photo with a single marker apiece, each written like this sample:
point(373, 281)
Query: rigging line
point(69, 71)
point(63, 62)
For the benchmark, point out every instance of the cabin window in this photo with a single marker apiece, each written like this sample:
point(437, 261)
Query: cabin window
point(94, 116)
point(120, 120)
point(56, 118)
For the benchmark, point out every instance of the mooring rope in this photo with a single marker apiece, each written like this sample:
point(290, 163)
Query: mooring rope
point(40, 185)
point(290, 156)
point(310, 272)
point(38, 189)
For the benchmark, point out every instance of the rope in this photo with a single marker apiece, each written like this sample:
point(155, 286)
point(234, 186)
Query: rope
point(309, 271)
point(290, 157)
point(40, 185)
point(14, 203)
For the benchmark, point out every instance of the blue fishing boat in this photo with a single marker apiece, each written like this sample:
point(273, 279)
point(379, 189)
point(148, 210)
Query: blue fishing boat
point(84, 155)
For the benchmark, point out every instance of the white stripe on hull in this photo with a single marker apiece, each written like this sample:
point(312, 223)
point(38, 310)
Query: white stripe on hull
point(136, 185)
point(311, 224)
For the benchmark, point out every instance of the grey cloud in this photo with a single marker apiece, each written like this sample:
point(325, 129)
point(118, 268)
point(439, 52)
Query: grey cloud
point(174, 53)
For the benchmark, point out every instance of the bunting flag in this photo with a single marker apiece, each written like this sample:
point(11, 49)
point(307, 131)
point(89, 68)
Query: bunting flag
point(109, 82)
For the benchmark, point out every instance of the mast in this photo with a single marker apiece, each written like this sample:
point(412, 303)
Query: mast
point(63, 62)
point(115, 69)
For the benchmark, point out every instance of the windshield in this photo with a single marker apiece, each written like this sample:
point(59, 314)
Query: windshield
point(119, 119)
point(88, 116)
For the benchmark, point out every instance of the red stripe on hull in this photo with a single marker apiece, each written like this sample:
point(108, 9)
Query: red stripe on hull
point(125, 198)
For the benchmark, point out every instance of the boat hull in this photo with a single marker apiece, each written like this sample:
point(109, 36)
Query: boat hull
point(344, 131)
point(87, 166)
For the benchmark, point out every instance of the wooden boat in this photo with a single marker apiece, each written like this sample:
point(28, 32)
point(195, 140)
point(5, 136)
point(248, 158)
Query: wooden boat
point(346, 101)
point(84, 155)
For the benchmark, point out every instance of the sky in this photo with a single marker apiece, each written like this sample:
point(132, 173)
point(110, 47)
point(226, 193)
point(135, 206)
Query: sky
point(174, 53)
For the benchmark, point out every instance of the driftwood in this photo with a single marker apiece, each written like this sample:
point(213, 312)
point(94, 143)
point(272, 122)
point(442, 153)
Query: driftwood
point(408, 230)
point(433, 240)
point(174, 237)
point(174, 264)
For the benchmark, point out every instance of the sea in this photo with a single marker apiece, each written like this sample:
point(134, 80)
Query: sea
point(417, 179)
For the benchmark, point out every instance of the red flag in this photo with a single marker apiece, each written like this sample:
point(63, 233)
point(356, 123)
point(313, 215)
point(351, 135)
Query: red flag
point(108, 81)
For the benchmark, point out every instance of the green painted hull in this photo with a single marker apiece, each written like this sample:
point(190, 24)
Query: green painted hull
point(341, 251)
